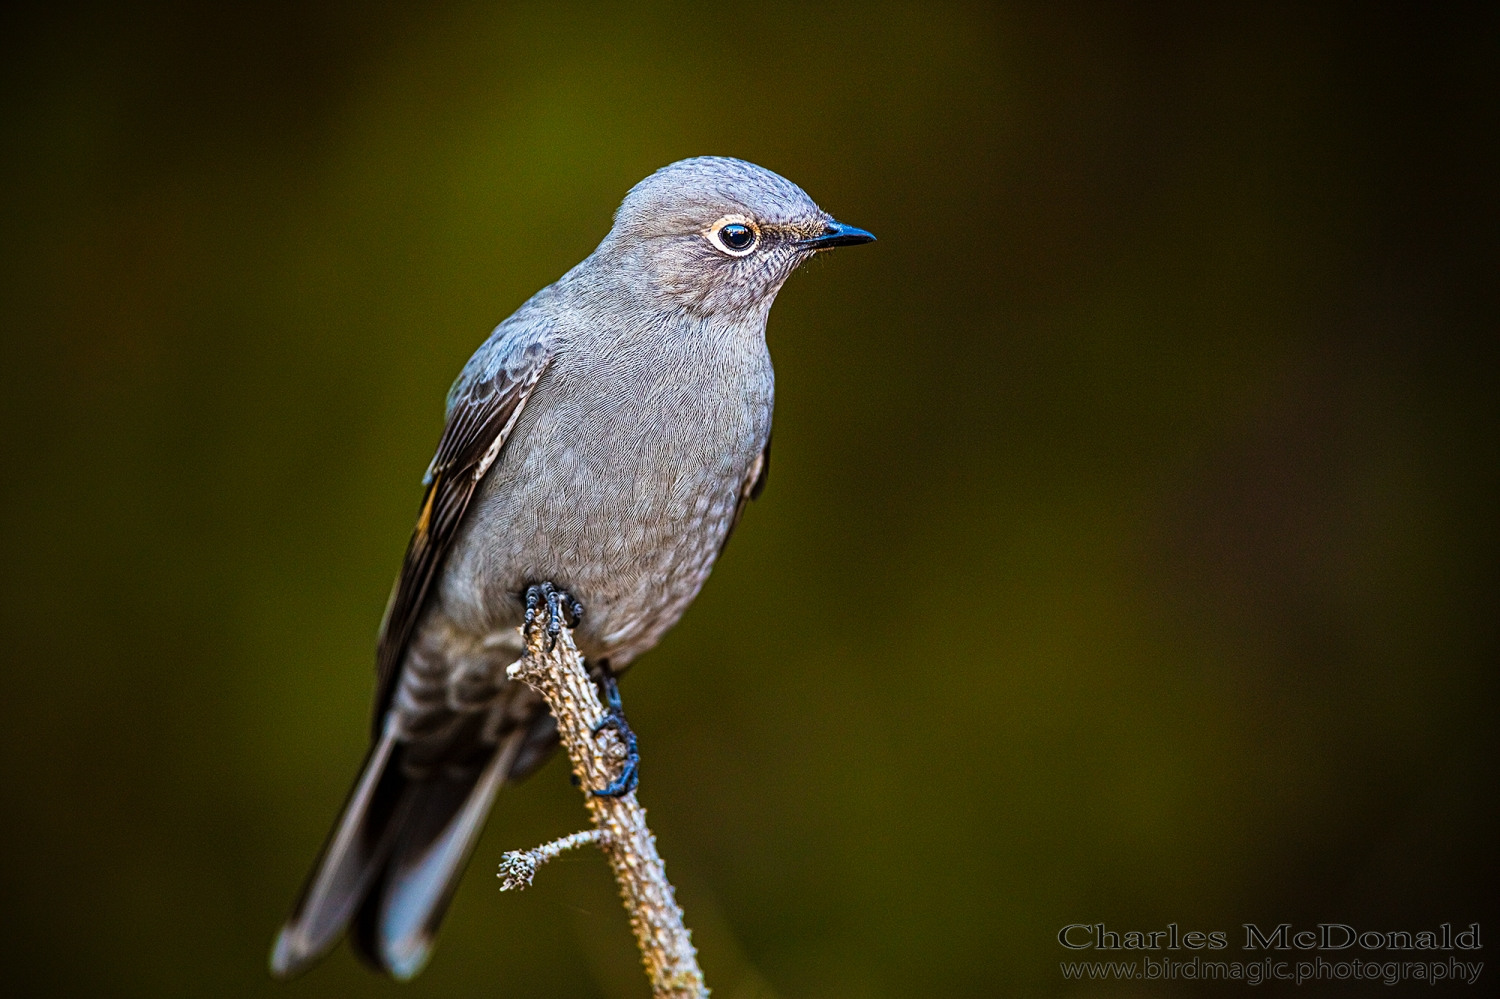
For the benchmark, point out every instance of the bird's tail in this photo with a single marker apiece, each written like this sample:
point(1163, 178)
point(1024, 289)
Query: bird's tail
point(392, 861)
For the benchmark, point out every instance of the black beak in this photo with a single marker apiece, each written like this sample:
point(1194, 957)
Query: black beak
point(836, 234)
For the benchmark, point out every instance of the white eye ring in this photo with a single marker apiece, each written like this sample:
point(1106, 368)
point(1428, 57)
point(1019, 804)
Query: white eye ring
point(737, 225)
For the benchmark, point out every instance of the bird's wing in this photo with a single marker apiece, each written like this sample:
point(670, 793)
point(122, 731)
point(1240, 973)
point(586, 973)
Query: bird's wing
point(483, 409)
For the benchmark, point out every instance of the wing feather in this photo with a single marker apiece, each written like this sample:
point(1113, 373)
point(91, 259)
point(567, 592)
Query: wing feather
point(481, 415)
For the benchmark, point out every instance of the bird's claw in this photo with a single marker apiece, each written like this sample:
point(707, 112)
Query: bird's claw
point(614, 718)
point(562, 608)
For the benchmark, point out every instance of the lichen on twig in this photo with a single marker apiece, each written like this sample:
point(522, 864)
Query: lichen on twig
point(518, 867)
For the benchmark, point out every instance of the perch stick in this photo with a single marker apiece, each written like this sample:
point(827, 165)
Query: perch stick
point(555, 670)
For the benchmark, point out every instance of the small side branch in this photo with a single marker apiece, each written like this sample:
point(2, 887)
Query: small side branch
point(555, 670)
point(518, 867)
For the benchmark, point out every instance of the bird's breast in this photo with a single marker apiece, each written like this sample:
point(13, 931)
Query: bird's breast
point(619, 483)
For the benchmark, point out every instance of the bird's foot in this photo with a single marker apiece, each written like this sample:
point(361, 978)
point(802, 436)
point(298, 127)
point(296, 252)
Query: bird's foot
point(560, 605)
point(614, 717)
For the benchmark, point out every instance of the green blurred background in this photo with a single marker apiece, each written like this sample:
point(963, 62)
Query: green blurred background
point(1130, 552)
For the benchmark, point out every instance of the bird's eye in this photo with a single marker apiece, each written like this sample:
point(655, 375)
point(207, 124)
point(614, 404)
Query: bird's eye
point(734, 235)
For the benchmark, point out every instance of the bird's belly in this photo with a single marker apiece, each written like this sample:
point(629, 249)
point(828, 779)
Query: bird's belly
point(626, 518)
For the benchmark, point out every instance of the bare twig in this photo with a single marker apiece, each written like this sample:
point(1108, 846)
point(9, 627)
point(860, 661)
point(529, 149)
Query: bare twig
point(555, 670)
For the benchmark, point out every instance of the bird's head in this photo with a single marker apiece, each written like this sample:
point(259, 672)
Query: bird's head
point(715, 235)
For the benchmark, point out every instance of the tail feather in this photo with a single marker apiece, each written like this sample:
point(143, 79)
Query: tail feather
point(391, 862)
point(350, 860)
point(398, 921)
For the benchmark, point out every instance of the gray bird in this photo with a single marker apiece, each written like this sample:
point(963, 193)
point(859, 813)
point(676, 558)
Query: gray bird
point(599, 448)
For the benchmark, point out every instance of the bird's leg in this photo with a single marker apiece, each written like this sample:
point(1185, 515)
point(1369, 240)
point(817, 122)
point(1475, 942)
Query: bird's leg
point(562, 608)
point(561, 605)
point(614, 717)
point(536, 593)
